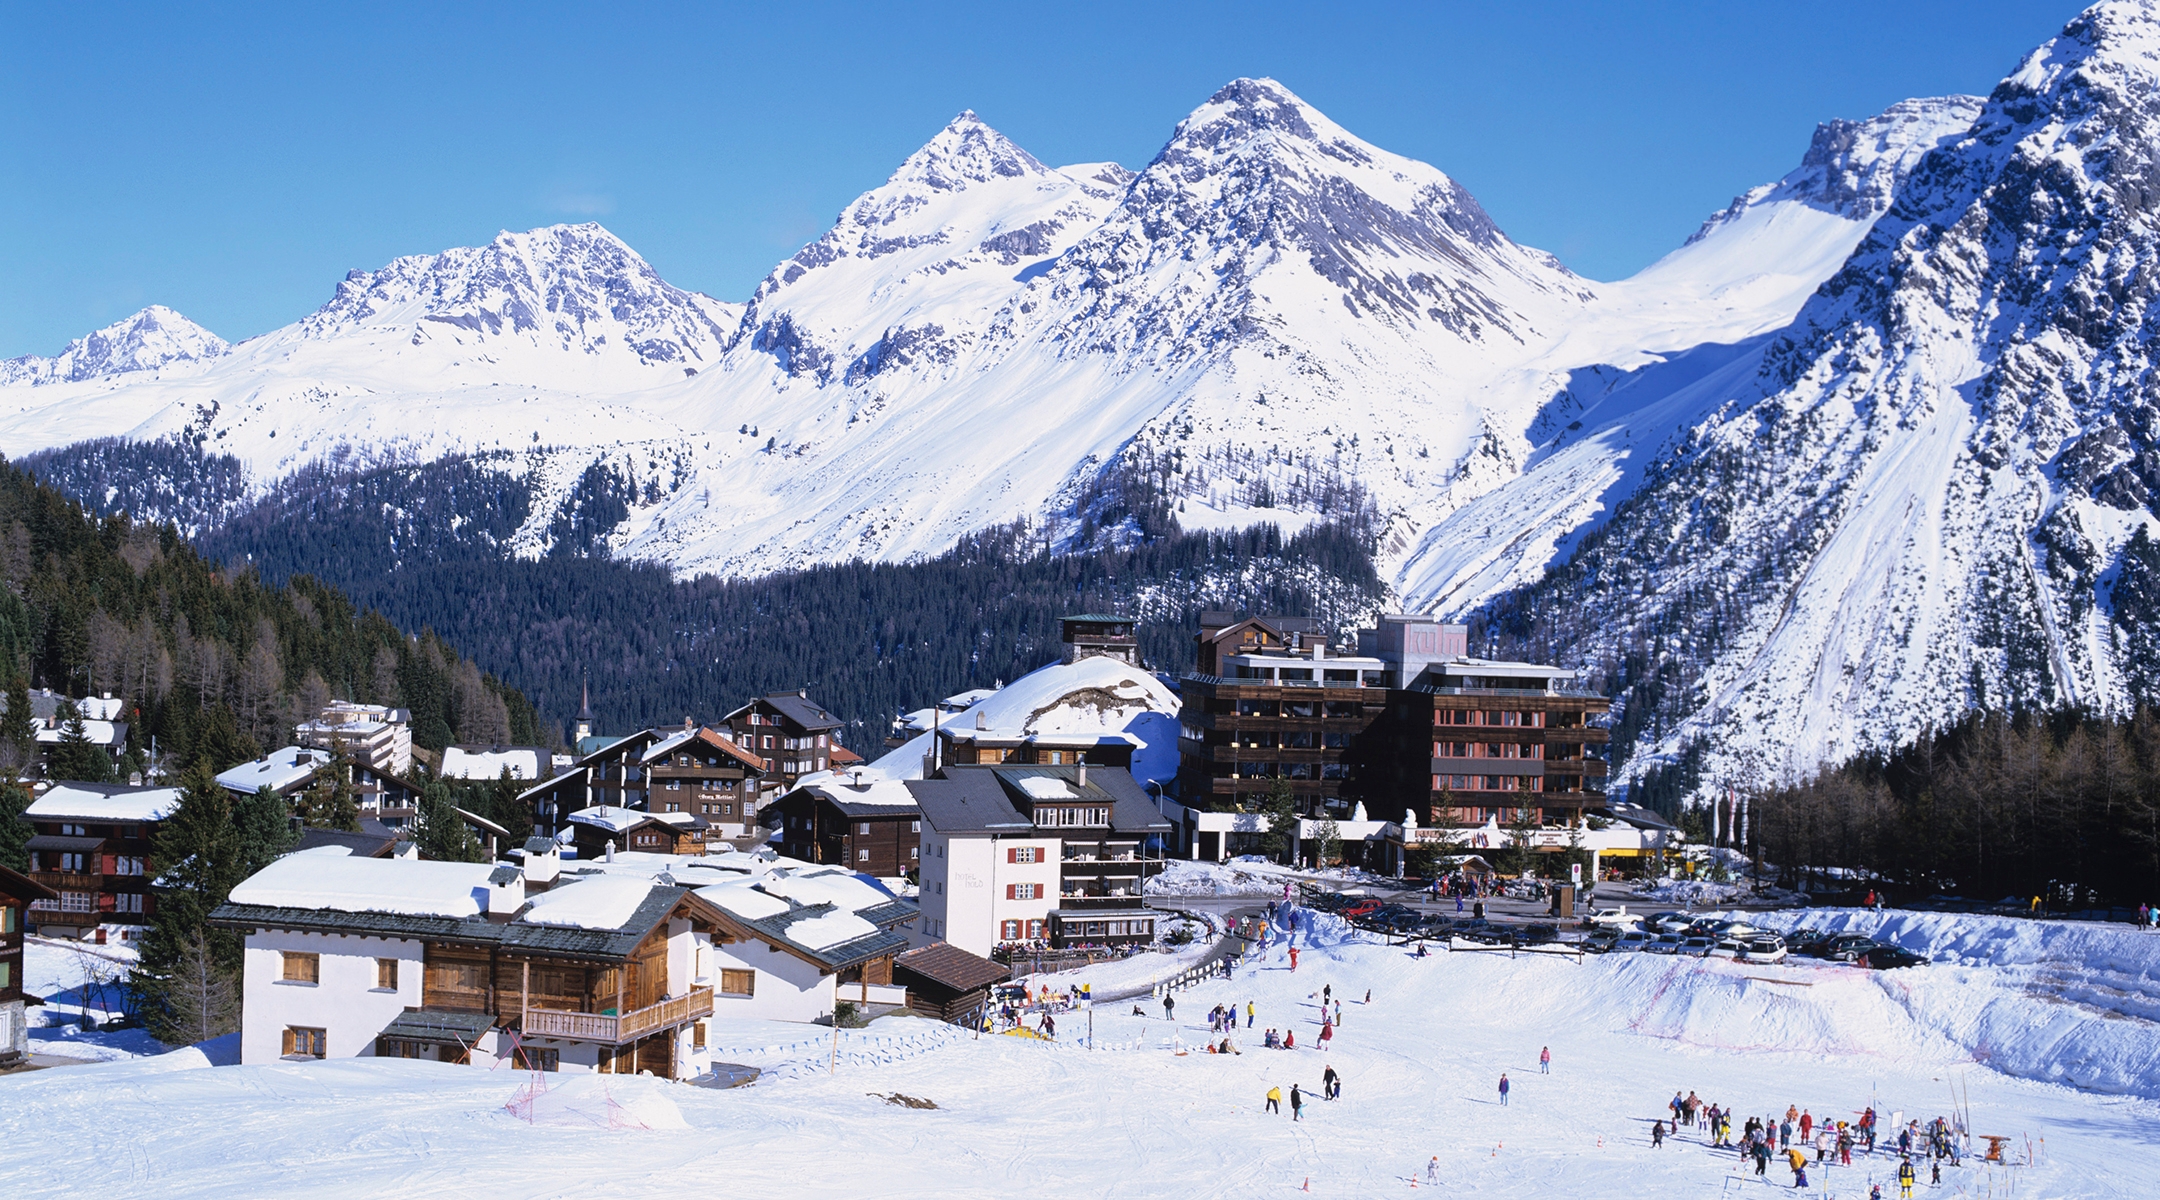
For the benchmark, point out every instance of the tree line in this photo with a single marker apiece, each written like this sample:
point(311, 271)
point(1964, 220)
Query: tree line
point(2061, 805)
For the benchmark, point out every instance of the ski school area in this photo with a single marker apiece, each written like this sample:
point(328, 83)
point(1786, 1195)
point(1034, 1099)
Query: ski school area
point(2031, 1039)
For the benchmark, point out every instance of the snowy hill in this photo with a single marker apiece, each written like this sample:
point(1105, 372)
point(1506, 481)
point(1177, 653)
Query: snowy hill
point(153, 339)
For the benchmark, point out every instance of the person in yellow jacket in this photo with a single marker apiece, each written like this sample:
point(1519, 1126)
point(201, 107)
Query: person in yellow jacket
point(1274, 1100)
point(1798, 1158)
point(1906, 1176)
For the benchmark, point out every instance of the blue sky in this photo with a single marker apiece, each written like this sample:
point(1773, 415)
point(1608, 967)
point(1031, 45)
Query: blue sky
point(234, 161)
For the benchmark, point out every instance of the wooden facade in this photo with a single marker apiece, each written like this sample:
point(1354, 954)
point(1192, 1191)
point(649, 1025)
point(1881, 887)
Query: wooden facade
point(811, 824)
point(708, 775)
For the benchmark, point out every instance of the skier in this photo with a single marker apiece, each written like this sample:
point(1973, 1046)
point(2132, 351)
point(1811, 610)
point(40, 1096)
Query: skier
point(1330, 1084)
point(1807, 1125)
point(1293, 959)
point(1503, 1089)
point(1327, 990)
point(1906, 1176)
point(1544, 1061)
point(1169, 1003)
point(1289, 1040)
point(1248, 1014)
point(1657, 1134)
point(1327, 1032)
point(1297, 1104)
point(1368, 995)
point(1274, 1100)
point(1432, 1172)
point(1798, 1158)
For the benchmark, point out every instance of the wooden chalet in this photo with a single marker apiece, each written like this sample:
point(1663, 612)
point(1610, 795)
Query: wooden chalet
point(599, 832)
point(863, 821)
point(946, 982)
point(794, 734)
point(610, 774)
point(91, 844)
point(703, 772)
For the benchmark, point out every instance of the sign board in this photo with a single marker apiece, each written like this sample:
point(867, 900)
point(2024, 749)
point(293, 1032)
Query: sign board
point(1575, 874)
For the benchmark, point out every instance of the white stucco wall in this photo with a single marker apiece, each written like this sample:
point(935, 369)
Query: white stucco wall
point(964, 883)
point(344, 1001)
point(785, 988)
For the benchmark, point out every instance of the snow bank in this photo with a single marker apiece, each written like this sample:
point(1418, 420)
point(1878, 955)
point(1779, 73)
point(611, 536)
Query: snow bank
point(1183, 877)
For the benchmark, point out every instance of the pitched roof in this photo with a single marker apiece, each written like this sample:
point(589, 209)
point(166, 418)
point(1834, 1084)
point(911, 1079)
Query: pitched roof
point(799, 709)
point(104, 802)
point(832, 917)
point(280, 770)
point(517, 935)
point(360, 845)
point(946, 964)
point(967, 802)
point(998, 799)
point(22, 887)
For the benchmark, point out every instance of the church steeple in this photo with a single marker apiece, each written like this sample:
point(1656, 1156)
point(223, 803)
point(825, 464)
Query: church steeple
point(584, 714)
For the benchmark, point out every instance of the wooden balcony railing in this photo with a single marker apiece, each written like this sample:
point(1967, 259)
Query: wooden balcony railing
point(614, 1030)
point(69, 881)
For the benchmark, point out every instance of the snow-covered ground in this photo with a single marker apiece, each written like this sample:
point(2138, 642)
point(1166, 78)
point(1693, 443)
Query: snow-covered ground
point(79, 983)
point(1252, 876)
point(1022, 1116)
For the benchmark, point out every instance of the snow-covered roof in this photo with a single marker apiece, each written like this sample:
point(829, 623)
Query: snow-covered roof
point(279, 770)
point(825, 932)
point(100, 733)
point(859, 785)
point(612, 817)
point(742, 898)
point(592, 902)
point(836, 886)
point(410, 886)
point(487, 762)
point(1046, 788)
point(1079, 703)
point(104, 802)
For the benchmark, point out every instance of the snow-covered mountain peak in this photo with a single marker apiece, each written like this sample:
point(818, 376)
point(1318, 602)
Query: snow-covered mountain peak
point(964, 152)
point(155, 338)
point(572, 287)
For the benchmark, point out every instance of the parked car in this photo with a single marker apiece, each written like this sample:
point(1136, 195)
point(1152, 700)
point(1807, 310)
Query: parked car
point(1727, 947)
point(1354, 911)
point(1697, 946)
point(1882, 957)
point(1617, 918)
point(1671, 922)
point(1537, 935)
point(1731, 929)
point(1601, 940)
point(1803, 941)
point(1764, 948)
point(1846, 947)
point(1664, 943)
point(1633, 939)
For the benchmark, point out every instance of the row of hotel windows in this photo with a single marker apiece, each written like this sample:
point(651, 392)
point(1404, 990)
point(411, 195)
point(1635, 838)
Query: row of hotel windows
point(1268, 770)
point(1468, 716)
point(307, 969)
point(1487, 750)
point(1301, 708)
point(1011, 931)
point(123, 831)
point(1305, 675)
point(1490, 783)
point(1302, 739)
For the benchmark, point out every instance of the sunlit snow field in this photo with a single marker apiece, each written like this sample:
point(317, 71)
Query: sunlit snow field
point(1136, 1118)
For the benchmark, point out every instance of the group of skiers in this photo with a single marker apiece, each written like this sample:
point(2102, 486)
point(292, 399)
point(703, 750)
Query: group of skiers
point(1762, 1138)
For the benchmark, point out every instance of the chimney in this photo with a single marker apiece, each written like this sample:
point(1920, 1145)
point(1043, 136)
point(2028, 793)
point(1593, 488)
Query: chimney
point(543, 862)
point(687, 723)
point(506, 892)
point(982, 719)
point(609, 856)
point(803, 692)
point(1081, 775)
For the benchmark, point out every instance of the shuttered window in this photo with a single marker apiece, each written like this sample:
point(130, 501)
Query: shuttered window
point(303, 968)
point(386, 974)
point(306, 1042)
point(738, 983)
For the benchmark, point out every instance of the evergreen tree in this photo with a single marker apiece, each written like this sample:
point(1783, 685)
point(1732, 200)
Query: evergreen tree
point(264, 823)
point(1521, 856)
point(1280, 808)
point(330, 803)
point(76, 757)
point(197, 860)
point(14, 831)
point(18, 729)
point(443, 835)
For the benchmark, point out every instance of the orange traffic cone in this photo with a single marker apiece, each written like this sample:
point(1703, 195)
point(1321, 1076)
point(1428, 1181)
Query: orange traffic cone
point(1308, 1183)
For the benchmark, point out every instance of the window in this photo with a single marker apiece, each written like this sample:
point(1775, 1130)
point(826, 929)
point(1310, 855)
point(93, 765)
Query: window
point(738, 983)
point(914, 826)
point(697, 1036)
point(862, 829)
point(1022, 891)
point(8, 919)
point(1023, 854)
point(529, 1059)
point(72, 862)
point(1034, 929)
point(386, 974)
point(78, 902)
point(73, 831)
point(862, 856)
point(303, 1042)
point(914, 852)
point(302, 968)
point(128, 902)
point(1009, 930)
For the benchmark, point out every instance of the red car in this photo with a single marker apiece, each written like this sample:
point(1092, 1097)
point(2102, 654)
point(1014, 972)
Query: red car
point(1360, 909)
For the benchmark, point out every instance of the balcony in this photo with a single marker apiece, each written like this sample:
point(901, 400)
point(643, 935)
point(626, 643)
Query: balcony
point(69, 881)
point(614, 1030)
